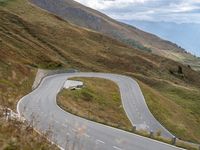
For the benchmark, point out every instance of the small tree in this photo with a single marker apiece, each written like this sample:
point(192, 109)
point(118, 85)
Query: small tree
point(180, 70)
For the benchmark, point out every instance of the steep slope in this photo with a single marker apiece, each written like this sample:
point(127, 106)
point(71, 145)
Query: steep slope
point(89, 18)
point(31, 38)
point(185, 34)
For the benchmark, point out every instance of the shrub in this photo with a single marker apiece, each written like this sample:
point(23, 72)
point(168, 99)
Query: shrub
point(86, 95)
point(180, 70)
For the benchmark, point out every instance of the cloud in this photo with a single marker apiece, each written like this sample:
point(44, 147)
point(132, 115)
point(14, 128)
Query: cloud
point(106, 4)
point(181, 11)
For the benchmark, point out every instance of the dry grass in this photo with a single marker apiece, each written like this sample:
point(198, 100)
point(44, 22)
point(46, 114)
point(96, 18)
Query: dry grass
point(99, 101)
point(15, 82)
point(176, 108)
point(15, 135)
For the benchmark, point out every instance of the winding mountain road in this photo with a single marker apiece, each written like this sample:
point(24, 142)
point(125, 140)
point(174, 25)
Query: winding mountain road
point(74, 133)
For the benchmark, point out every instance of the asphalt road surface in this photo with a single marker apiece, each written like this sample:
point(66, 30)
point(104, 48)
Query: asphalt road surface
point(74, 133)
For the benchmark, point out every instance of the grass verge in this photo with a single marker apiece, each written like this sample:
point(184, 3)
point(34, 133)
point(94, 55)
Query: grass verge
point(176, 108)
point(98, 101)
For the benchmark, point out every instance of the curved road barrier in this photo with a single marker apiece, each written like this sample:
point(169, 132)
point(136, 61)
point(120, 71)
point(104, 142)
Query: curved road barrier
point(72, 132)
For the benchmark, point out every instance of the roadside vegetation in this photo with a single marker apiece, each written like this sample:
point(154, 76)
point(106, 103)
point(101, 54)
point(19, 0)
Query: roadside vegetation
point(15, 135)
point(176, 107)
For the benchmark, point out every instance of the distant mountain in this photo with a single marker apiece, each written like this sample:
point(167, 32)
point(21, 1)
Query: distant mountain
point(94, 20)
point(186, 35)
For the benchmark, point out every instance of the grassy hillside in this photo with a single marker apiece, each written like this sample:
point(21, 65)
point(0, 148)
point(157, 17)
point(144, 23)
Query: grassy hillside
point(17, 136)
point(31, 38)
point(184, 58)
point(182, 118)
point(92, 19)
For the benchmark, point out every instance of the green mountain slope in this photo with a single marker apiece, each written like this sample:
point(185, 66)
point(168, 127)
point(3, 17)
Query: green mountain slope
point(92, 19)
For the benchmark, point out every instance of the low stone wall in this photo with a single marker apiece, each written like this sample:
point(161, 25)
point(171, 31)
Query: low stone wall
point(42, 73)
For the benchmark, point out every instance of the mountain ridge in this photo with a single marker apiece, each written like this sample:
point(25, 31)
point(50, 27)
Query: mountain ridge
point(185, 34)
point(75, 12)
point(89, 18)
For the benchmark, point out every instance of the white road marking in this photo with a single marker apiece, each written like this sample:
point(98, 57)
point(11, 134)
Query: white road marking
point(100, 141)
point(68, 134)
point(87, 135)
point(74, 130)
point(115, 147)
point(64, 125)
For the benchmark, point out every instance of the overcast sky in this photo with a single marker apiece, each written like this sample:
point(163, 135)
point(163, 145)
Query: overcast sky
point(180, 11)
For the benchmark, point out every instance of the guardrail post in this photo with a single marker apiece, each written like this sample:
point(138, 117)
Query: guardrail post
point(134, 129)
point(151, 134)
point(174, 140)
point(199, 147)
point(6, 113)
